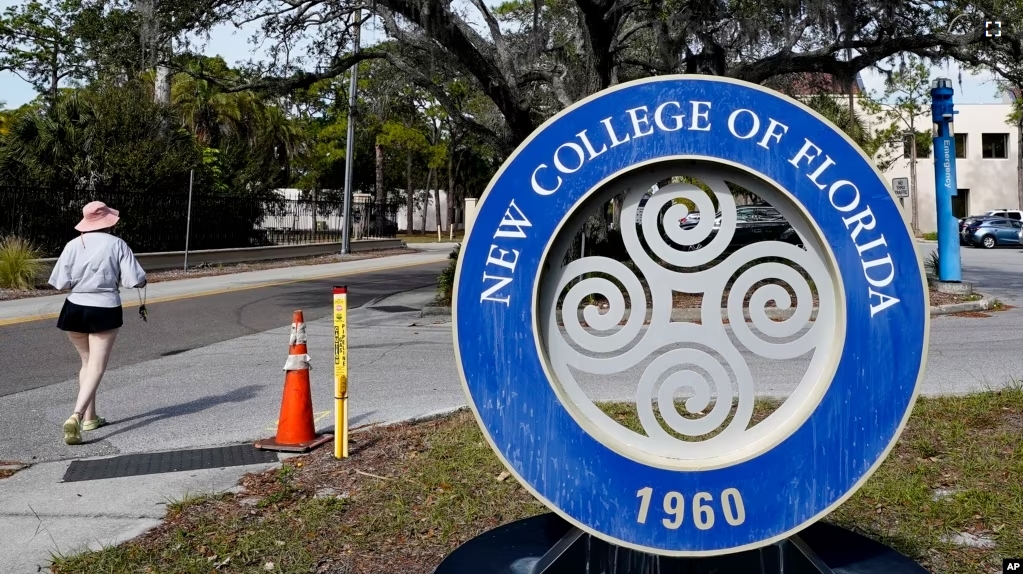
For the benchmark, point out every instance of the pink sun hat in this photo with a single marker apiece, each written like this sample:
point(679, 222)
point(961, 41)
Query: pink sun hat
point(97, 215)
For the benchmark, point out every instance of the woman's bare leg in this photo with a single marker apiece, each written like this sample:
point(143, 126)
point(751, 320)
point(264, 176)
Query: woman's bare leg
point(99, 347)
point(81, 343)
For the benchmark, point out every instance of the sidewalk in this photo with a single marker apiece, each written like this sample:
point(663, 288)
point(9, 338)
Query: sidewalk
point(48, 307)
point(401, 366)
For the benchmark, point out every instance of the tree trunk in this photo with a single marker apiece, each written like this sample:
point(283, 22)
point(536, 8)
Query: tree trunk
point(410, 193)
point(162, 86)
point(426, 197)
point(54, 77)
point(915, 203)
point(380, 173)
point(452, 196)
point(436, 209)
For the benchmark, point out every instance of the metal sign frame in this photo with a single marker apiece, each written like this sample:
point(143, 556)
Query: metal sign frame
point(900, 185)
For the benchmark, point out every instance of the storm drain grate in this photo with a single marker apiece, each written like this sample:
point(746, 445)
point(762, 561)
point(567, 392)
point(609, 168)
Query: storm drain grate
point(172, 461)
point(393, 309)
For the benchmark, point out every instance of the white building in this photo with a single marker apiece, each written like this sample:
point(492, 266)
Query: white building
point(986, 158)
point(986, 151)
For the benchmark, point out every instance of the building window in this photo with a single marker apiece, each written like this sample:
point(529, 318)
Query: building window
point(960, 145)
point(995, 146)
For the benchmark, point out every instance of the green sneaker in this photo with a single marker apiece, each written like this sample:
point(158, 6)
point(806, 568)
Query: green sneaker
point(73, 430)
point(94, 424)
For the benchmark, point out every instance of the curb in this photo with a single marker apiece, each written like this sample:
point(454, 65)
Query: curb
point(696, 314)
point(981, 305)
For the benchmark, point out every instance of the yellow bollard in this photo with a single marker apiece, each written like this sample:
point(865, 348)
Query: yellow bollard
point(341, 372)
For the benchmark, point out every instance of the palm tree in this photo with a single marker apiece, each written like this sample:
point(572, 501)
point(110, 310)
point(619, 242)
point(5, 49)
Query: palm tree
point(855, 127)
point(282, 138)
point(211, 114)
point(56, 148)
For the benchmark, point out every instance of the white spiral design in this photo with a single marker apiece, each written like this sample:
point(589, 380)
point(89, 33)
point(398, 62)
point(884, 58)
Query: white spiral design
point(720, 385)
point(720, 374)
point(615, 313)
point(770, 328)
point(684, 237)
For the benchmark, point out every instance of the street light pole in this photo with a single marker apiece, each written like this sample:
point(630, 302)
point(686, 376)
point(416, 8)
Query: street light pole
point(346, 235)
point(942, 112)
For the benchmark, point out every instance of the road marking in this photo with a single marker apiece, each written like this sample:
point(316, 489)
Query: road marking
point(319, 417)
point(32, 318)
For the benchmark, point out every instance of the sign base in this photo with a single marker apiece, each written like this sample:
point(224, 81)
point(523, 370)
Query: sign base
point(546, 544)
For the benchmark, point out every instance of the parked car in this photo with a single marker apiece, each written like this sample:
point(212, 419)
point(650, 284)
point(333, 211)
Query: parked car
point(965, 223)
point(690, 220)
point(991, 232)
point(753, 223)
point(1015, 214)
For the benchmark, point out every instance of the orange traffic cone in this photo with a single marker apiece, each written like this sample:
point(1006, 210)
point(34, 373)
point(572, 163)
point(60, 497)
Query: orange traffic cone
point(296, 430)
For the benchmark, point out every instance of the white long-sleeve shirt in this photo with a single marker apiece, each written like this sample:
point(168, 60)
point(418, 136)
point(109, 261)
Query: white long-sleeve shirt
point(94, 267)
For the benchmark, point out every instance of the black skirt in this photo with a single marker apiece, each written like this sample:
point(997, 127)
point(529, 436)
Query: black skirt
point(82, 319)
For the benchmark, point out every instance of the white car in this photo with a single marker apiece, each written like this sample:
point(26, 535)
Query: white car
point(1015, 214)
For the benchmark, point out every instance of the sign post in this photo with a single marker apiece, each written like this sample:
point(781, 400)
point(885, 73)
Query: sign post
point(701, 479)
point(942, 113)
point(341, 372)
point(901, 186)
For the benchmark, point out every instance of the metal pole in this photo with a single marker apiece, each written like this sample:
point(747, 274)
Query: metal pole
point(188, 218)
point(346, 236)
point(341, 371)
point(942, 112)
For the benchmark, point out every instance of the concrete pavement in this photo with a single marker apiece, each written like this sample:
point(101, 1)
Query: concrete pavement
point(226, 393)
point(997, 272)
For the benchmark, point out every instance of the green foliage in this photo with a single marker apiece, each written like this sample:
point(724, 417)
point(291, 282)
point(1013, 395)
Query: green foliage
point(102, 136)
point(35, 43)
point(906, 97)
point(446, 281)
point(19, 265)
point(875, 145)
point(211, 160)
point(931, 236)
point(931, 263)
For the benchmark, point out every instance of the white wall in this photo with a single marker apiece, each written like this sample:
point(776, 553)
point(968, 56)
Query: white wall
point(300, 217)
point(991, 182)
point(431, 220)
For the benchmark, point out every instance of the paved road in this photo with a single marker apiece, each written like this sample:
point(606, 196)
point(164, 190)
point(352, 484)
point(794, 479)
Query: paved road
point(997, 272)
point(36, 354)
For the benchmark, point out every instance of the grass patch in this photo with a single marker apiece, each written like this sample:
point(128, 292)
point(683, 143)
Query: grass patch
point(411, 493)
point(930, 236)
point(19, 268)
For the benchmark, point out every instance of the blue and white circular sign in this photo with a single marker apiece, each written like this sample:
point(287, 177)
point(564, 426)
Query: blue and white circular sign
point(827, 308)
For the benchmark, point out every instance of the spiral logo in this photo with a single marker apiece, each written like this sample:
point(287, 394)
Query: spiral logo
point(694, 389)
point(713, 382)
point(592, 316)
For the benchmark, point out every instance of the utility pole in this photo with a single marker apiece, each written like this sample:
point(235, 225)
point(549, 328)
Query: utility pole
point(942, 112)
point(346, 235)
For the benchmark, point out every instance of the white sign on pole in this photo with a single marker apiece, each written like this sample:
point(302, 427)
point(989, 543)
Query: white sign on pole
point(901, 186)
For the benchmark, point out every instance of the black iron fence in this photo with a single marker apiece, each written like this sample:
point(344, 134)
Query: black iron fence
point(157, 221)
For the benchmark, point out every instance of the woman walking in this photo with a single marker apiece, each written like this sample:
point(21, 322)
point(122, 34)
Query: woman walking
point(93, 266)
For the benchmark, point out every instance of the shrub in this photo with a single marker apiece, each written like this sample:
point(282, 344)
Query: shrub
point(446, 281)
point(19, 265)
point(931, 264)
point(931, 236)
